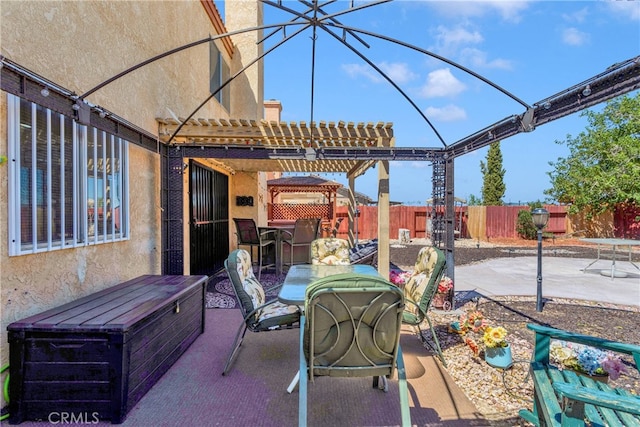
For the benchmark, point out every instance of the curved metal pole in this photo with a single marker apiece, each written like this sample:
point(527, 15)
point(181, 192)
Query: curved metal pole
point(230, 79)
point(349, 10)
point(319, 9)
point(181, 48)
point(310, 8)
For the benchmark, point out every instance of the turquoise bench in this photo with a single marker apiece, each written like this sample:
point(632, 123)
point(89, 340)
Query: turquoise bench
point(563, 398)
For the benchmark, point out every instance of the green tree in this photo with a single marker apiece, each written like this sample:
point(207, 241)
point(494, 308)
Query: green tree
point(472, 200)
point(493, 187)
point(603, 166)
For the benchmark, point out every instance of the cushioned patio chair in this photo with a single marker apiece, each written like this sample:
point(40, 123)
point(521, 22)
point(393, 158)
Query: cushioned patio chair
point(258, 315)
point(351, 328)
point(330, 251)
point(419, 292)
point(249, 235)
point(299, 241)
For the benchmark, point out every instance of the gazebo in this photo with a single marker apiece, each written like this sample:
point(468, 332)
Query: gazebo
point(289, 210)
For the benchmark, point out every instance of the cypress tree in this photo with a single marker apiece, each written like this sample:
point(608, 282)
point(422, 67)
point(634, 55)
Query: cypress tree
point(493, 187)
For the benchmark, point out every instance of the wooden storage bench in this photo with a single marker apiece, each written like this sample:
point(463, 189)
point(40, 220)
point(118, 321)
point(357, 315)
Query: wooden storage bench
point(97, 356)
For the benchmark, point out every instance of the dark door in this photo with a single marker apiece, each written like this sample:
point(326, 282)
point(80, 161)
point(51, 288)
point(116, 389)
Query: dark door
point(209, 213)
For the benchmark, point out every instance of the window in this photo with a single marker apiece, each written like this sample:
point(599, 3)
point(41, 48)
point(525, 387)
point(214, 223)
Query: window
point(68, 182)
point(219, 73)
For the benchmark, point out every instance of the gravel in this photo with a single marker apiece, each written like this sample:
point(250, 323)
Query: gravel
point(499, 394)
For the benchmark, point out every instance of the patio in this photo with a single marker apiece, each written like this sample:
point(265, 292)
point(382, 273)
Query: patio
point(193, 391)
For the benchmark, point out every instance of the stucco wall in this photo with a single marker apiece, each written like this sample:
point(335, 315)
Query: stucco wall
point(78, 45)
point(247, 94)
point(33, 283)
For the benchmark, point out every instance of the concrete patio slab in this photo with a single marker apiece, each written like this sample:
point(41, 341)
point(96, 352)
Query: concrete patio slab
point(561, 278)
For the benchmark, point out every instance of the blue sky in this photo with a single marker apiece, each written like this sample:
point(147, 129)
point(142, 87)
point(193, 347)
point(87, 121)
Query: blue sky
point(531, 49)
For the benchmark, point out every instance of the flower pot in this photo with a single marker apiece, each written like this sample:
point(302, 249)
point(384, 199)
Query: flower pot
point(441, 301)
point(498, 357)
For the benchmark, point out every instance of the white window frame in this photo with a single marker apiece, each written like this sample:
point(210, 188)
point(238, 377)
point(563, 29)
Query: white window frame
point(103, 172)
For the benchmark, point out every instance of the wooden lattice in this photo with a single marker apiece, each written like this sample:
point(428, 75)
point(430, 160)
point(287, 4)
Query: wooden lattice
point(294, 211)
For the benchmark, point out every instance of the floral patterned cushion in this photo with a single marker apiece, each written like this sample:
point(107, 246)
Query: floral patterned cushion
point(330, 251)
point(420, 287)
point(254, 292)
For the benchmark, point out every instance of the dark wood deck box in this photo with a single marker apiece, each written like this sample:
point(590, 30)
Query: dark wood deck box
point(94, 358)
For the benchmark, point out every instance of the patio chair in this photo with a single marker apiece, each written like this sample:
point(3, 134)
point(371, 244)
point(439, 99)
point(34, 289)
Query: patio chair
point(351, 328)
point(420, 290)
point(305, 231)
point(258, 315)
point(330, 251)
point(249, 235)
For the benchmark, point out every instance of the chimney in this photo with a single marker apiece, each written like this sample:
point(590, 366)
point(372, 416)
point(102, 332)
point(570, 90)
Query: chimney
point(272, 109)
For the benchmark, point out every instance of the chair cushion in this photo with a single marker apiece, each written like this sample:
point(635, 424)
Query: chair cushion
point(363, 252)
point(251, 295)
point(330, 251)
point(422, 284)
point(341, 305)
point(277, 314)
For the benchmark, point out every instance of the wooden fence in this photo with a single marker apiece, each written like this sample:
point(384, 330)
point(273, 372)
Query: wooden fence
point(487, 222)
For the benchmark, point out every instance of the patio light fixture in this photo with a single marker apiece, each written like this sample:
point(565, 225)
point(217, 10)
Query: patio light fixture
point(540, 218)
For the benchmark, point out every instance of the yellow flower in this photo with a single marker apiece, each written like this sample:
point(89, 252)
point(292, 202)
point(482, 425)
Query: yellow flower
point(495, 337)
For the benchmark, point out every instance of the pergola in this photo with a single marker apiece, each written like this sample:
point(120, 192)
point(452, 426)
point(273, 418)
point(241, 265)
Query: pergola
point(262, 146)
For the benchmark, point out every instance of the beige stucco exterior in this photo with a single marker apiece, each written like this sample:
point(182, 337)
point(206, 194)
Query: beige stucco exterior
point(78, 45)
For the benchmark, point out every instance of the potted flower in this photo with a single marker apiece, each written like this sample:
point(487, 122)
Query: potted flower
point(473, 321)
point(442, 298)
point(469, 325)
point(586, 360)
point(399, 278)
point(497, 352)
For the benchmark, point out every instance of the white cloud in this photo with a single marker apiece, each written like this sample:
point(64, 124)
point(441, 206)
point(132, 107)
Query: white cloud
point(449, 38)
point(448, 113)
point(629, 9)
point(441, 83)
point(509, 10)
point(398, 72)
point(578, 16)
point(478, 59)
point(357, 70)
point(574, 37)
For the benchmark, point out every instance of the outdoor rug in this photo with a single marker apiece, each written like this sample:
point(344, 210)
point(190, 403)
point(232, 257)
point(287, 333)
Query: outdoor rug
point(220, 291)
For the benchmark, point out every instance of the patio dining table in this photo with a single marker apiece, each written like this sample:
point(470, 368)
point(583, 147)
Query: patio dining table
point(615, 245)
point(300, 276)
point(293, 292)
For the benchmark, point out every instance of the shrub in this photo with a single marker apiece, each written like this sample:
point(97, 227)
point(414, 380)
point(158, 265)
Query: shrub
point(525, 227)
